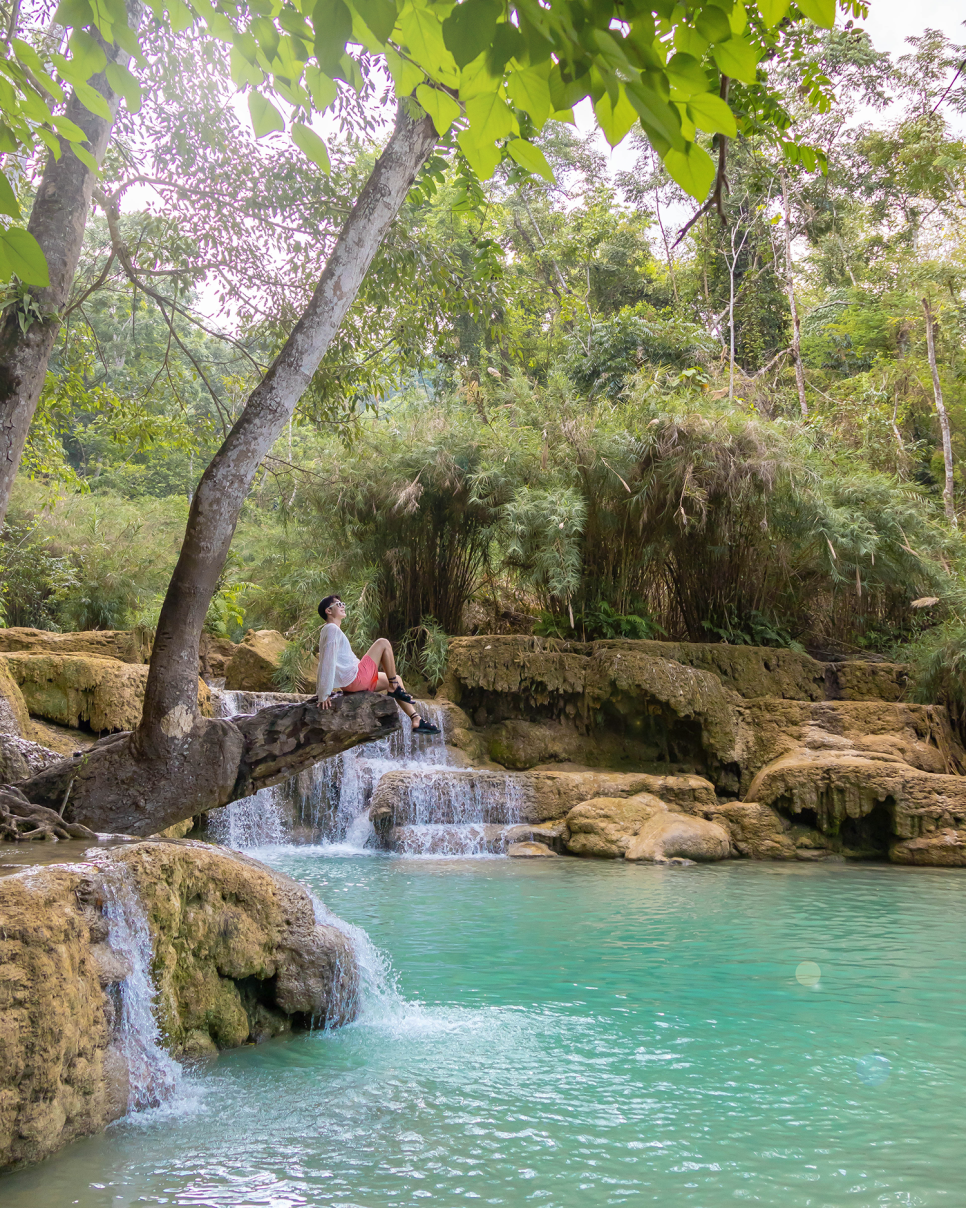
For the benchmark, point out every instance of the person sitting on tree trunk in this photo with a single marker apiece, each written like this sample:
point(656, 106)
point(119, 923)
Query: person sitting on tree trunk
point(340, 671)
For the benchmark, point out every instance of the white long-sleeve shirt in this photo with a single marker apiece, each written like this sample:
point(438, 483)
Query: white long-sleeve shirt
point(338, 666)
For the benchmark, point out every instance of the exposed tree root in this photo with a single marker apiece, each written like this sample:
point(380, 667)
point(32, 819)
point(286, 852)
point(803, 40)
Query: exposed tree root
point(20, 820)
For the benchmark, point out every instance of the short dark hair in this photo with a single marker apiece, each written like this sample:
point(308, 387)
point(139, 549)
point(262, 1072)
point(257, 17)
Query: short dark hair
point(327, 604)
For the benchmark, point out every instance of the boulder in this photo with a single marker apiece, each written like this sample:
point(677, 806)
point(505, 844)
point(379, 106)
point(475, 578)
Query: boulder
point(214, 655)
point(103, 694)
point(757, 831)
point(236, 955)
point(940, 849)
point(606, 826)
point(667, 836)
point(529, 851)
point(254, 663)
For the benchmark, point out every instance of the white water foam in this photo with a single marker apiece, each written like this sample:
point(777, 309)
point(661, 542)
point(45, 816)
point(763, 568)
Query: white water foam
point(154, 1074)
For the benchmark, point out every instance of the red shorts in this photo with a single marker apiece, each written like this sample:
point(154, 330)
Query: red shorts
point(366, 677)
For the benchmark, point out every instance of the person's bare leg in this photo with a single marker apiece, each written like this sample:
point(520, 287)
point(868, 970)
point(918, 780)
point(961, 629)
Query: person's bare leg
point(382, 655)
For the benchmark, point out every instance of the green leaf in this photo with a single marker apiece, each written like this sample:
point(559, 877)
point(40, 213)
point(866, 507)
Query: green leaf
point(490, 118)
point(51, 139)
point(333, 28)
point(738, 19)
point(123, 82)
point(615, 120)
point(33, 105)
point(265, 117)
point(689, 41)
point(29, 58)
point(24, 257)
point(822, 12)
point(243, 71)
point(180, 16)
point(713, 24)
point(483, 158)
point(308, 142)
point(323, 90)
point(470, 29)
point(439, 105)
point(772, 11)
point(530, 157)
point(507, 44)
point(73, 14)
point(86, 158)
point(737, 58)
point(69, 130)
point(405, 74)
point(423, 35)
point(92, 100)
point(87, 55)
point(686, 75)
point(693, 170)
point(657, 115)
point(711, 114)
point(379, 15)
point(564, 93)
point(529, 90)
point(8, 199)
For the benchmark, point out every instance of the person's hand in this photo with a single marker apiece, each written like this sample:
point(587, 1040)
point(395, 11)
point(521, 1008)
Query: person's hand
point(327, 703)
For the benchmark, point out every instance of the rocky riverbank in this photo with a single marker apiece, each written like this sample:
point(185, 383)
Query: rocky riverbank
point(112, 966)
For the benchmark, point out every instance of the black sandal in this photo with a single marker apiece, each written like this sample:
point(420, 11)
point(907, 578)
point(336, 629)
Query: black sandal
point(425, 727)
point(400, 693)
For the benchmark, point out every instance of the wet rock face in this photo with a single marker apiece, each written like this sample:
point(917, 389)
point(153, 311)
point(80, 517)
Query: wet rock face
point(236, 955)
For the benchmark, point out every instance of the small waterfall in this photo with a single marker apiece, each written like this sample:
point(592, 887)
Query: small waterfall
point(445, 809)
point(154, 1074)
point(334, 795)
point(455, 812)
point(256, 821)
point(259, 820)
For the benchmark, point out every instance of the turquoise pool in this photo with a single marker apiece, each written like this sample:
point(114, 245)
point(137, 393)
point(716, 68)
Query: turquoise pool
point(571, 1033)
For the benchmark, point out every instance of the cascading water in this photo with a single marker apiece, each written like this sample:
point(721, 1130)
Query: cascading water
point(448, 810)
point(154, 1074)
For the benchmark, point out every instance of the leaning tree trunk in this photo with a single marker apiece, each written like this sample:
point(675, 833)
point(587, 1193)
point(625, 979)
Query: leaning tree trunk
point(57, 222)
point(177, 763)
point(170, 698)
point(948, 498)
point(226, 759)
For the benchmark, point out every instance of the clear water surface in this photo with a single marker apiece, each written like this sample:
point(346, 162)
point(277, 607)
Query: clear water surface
point(570, 1034)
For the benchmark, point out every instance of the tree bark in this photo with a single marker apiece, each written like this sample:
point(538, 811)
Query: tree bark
point(170, 701)
point(112, 788)
point(792, 304)
point(948, 497)
point(57, 221)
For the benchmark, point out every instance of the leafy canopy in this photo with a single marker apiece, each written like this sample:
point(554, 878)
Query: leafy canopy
point(489, 74)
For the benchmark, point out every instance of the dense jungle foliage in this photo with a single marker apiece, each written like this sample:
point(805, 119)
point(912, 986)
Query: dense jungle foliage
point(548, 411)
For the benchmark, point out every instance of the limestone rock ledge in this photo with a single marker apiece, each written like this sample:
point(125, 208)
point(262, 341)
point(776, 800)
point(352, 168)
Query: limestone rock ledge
point(236, 955)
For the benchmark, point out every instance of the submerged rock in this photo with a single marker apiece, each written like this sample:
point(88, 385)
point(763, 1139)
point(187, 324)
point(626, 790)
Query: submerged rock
point(234, 950)
point(529, 851)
